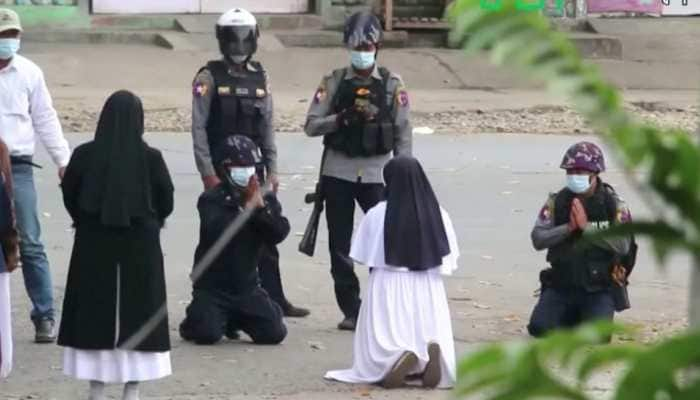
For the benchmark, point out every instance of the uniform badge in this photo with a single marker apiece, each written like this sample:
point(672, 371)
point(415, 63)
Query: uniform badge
point(320, 95)
point(224, 90)
point(199, 90)
point(624, 215)
point(242, 91)
point(402, 98)
point(545, 215)
point(363, 92)
point(260, 93)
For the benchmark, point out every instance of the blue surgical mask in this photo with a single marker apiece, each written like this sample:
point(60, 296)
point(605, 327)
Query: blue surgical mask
point(578, 183)
point(8, 48)
point(362, 59)
point(241, 175)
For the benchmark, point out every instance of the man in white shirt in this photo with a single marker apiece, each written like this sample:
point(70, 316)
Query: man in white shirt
point(27, 113)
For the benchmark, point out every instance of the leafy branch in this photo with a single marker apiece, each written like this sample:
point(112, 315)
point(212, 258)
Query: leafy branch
point(671, 163)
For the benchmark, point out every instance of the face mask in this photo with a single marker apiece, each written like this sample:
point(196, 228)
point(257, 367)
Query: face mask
point(362, 59)
point(8, 48)
point(578, 183)
point(241, 175)
point(239, 59)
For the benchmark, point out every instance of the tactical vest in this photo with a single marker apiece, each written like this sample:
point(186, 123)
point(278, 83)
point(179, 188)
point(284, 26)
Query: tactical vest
point(238, 104)
point(576, 262)
point(362, 139)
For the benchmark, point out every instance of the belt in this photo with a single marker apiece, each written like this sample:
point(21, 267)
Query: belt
point(24, 160)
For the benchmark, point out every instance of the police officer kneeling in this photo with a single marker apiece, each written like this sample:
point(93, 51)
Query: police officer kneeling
point(586, 275)
point(228, 297)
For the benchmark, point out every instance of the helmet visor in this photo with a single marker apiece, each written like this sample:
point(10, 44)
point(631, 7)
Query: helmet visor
point(238, 40)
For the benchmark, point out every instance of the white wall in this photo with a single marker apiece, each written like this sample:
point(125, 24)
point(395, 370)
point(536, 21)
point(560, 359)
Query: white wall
point(258, 6)
point(144, 7)
point(197, 6)
point(681, 7)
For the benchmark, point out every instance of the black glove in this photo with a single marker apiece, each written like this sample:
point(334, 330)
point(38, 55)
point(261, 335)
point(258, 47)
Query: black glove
point(350, 116)
point(369, 113)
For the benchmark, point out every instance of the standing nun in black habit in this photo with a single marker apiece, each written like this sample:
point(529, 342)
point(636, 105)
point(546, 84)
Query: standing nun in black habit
point(404, 327)
point(118, 192)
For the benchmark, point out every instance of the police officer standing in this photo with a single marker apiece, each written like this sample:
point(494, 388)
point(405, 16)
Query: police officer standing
point(585, 272)
point(362, 111)
point(232, 96)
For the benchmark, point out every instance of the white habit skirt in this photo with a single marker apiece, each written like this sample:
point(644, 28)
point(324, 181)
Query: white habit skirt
point(401, 311)
point(116, 366)
point(5, 326)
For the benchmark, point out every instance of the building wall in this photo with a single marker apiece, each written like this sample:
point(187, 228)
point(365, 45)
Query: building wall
point(335, 11)
point(51, 13)
point(39, 2)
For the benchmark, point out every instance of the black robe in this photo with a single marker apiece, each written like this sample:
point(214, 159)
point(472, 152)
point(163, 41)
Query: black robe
point(89, 306)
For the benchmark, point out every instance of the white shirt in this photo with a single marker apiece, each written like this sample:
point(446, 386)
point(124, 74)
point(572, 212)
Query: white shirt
point(26, 112)
point(368, 245)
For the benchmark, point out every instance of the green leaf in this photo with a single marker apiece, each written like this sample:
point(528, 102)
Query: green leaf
point(603, 357)
point(671, 162)
point(654, 370)
point(485, 37)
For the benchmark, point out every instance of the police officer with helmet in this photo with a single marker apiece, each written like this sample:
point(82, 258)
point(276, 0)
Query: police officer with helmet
point(232, 96)
point(362, 112)
point(587, 274)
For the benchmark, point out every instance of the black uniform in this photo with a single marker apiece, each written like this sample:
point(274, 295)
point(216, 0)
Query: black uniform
point(228, 296)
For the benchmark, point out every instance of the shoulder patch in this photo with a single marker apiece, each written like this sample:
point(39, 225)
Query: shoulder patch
point(321, 91)
point(202, 83)
point(623, 214)
point(200, 89)
point(402, 96)
point(546, 214)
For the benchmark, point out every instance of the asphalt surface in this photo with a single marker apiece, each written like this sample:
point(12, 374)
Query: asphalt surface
point(493, 187)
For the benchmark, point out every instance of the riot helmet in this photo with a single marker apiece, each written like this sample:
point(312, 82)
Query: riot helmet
point(237, 32)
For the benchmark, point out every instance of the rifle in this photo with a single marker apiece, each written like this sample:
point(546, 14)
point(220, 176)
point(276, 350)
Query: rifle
point(308, 241)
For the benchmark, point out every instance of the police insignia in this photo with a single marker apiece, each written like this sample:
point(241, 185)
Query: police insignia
point(199, 89)
point(320, 95)
point(624, 215)
point(545, 214)
point(242, 92)
point(224, 90)
point(402, 98)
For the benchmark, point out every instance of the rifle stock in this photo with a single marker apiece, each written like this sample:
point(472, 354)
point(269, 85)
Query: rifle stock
point(308, 241)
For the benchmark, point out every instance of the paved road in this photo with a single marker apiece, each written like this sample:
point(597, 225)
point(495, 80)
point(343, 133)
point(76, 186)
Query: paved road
point(493, 187)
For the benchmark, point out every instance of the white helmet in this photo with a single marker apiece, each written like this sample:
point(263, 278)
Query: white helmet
point(237, 17)
point(237, 31)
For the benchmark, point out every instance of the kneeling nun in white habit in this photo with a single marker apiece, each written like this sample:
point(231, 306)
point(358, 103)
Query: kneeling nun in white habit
point(404, 331)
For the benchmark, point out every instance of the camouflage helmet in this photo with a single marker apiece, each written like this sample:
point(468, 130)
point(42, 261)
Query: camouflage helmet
point(236, 151)
point(584, 155)
point(362, 28)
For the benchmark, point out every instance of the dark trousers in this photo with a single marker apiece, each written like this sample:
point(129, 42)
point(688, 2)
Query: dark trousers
point(340, 211)
point(212, 313)
point(269, 272)
point(566, 308)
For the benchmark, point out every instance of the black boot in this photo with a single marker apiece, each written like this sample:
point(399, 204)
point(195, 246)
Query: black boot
point(294, 312)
